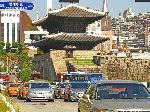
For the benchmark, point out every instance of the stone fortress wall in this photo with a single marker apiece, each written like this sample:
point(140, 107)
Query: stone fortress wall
point(125, 68)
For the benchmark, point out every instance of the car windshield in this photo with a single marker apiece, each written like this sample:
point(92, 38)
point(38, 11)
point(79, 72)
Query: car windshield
point(5, 83)
point(26, 85)
point(79, 85)
point(62, 85)
point(40, 85)
point(121, 91)
point(15, 85)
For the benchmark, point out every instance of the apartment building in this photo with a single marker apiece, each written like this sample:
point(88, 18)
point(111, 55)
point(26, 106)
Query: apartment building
point(13, 24)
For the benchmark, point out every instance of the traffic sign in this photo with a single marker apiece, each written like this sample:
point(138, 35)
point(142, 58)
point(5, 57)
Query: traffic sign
point(17, 5)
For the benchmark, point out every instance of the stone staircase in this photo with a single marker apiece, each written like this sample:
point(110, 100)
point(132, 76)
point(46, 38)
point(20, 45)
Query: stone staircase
point(62, 64)
point(58, 59)
point(70, 67)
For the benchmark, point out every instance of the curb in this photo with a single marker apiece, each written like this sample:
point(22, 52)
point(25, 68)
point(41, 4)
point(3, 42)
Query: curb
point(7, 103)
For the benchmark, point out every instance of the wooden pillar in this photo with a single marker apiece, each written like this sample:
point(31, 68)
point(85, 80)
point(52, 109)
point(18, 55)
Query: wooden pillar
point(71, 53)
point(66, 53)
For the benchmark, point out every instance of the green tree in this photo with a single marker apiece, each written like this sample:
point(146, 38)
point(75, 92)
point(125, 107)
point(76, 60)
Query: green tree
point(8, 47)
point(39, 51)
point(18, 46)
point(2, 44)
point(25, 67)
point(2, 51)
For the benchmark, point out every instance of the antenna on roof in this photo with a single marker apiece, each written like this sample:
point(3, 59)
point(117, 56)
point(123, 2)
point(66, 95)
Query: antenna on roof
point(37, 15)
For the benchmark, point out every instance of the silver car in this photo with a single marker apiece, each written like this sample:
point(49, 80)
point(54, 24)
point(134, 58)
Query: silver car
point(40, 91)
point(115, 96)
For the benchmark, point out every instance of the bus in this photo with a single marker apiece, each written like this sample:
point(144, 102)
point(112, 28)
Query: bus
point(85, 77)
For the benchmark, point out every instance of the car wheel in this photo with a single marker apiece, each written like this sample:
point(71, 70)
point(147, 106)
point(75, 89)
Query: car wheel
point(65, 100)
point(21, 97)
point(78, 110)
point(55, 97)
point(28, 100)
point(69, 99)
point(18, 97)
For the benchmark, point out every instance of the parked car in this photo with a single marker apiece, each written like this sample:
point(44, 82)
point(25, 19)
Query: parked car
point(22, 91)
point(13, 88)
point(74, 90)
point(115, 96)
point(40, 91)
point(3, 85)
point(59, 90)
point(4, 77)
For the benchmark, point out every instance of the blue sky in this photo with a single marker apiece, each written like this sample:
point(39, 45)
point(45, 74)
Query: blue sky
point(114, 6)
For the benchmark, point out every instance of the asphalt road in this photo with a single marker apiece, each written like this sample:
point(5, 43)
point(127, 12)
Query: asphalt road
point(43, 106)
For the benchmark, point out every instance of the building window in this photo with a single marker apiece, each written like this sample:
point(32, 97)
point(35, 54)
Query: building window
point(13, 32)
point(7, 32)
point(18, 32)
point(2, 32)
point(2, 14)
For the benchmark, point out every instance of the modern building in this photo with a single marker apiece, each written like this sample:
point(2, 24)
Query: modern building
point(107, 31)
point(13, 25)
point(102, 27)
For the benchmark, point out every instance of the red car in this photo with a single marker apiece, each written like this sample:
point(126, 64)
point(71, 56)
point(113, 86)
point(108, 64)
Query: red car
point(5, 78)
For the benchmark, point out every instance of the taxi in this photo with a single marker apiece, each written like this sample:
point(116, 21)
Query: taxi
point(13, 88)
point(22, 91)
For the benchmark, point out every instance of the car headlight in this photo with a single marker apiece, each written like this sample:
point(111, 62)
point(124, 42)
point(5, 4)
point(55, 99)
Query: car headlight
point(73, 92)
point(32, 92)
point(105, 110)
point(49, 92)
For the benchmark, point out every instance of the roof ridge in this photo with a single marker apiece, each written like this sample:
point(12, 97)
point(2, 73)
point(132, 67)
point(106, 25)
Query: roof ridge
point(78, 6)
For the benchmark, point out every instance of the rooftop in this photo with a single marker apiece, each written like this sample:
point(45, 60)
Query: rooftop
point(72, 10)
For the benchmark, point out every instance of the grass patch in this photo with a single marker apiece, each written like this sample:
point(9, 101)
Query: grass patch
point(3, 107)
point(88, 62)
point(16, 107)
point(43, 80)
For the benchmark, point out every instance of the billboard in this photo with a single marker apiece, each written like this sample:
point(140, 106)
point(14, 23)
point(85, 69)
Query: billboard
point(75, 1)
point(17, 5)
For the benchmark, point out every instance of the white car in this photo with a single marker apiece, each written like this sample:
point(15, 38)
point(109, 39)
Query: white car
point(3, 85)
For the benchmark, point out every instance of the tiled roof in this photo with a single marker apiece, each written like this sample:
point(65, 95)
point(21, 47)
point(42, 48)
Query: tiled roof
point(72, 10)
point(75, 37)
point(75, 10)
